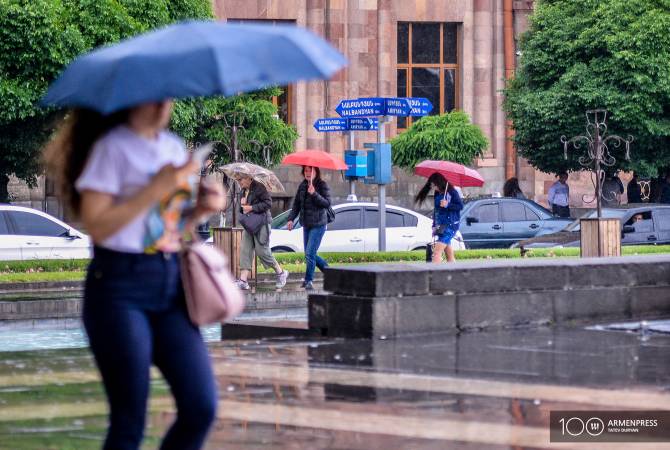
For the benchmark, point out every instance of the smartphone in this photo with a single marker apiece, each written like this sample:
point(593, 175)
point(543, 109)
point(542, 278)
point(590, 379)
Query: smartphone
point(201, 153)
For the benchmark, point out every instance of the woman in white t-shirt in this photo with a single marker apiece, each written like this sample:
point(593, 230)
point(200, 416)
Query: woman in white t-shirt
point(128, 180)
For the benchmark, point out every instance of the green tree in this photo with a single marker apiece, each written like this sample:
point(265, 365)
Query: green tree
point(447, 137)
point(588, 54)
point(262, 137)
point(37, 39)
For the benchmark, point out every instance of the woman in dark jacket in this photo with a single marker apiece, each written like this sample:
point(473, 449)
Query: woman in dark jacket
point(511, 188)
point(311, 204)
point(447, 215)
point(255, 198)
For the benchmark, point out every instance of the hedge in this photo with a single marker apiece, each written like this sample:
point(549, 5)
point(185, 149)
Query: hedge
point(79, 265)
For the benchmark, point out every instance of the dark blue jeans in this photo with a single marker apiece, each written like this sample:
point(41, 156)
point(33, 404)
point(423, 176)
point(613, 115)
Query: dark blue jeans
point(134, 315)
point(311, 240)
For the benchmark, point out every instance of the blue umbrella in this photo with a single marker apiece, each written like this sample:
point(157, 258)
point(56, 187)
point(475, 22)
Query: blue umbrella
point(193, 59)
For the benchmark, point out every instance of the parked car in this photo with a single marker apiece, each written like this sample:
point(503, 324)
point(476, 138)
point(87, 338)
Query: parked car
point(27, 233)
point(640, 224)
point(499, 222)
point(355, 229)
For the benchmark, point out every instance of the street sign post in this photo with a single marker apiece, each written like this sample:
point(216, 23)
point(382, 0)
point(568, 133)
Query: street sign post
point(397, 107)
point(331, 124)
point(419, 106)
point(349, 125)
point(381, 107)
point(362, 107)
point(363, 124)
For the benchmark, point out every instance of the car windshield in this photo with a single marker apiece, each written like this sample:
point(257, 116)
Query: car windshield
point(280, 221)
point(606, 214)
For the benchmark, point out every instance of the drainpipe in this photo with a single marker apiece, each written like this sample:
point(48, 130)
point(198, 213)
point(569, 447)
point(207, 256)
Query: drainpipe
point(508, 33)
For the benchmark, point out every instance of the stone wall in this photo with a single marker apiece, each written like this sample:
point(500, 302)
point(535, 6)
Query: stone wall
point(405, 299)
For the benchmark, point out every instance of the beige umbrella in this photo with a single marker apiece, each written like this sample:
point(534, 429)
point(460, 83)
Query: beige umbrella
point(264, 176)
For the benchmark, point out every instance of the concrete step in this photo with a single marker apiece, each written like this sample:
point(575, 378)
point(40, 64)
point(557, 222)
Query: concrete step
point(257, 329)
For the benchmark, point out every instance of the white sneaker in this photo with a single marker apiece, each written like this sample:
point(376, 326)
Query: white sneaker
point(281, 279)
point(242, 285)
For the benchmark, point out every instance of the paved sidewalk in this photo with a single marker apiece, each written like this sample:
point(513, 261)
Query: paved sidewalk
point(490, 390)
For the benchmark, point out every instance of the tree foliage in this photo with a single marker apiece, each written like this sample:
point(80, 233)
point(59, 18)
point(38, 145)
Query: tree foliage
point(37, 39)
point(587, 54)
point(262, 137)
point(447, 137)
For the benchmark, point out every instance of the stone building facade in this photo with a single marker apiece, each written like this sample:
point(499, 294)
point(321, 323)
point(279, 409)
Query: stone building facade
point(464, 37)
point(452, 50)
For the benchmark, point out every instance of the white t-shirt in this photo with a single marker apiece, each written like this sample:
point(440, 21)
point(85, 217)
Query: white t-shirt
point(123, 162)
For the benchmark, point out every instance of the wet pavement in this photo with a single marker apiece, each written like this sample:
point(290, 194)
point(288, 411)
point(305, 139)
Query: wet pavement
point(488, 390)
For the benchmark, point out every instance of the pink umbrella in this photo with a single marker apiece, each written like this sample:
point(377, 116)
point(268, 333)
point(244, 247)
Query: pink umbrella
point(315, 158)
point(456, 174)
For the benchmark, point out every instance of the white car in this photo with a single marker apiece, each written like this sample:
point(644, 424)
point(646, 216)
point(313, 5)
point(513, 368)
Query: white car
point(355, 230)
point(27, 233)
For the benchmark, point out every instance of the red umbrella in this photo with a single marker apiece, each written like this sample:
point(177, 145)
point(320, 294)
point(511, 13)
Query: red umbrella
point(314, 158)
point(455, 174)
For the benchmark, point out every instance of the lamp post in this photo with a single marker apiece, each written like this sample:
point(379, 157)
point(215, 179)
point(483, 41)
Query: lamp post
point(598, 155)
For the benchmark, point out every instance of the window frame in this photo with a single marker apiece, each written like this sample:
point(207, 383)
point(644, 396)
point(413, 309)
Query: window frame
point(375, 211)
point(410, 220)
point(441, 66)
point(9, 215)
point(656, 214)
point(361, 218)
point(531, 211)
point(9, 226)
point(512, 204)
point(483, 204)
point(648, 221)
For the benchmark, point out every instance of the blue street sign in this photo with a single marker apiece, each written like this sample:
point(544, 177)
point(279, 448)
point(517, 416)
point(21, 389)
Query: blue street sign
point(334, 124)
point(362, 107)
point(363, 123)
point(397, 107)
point(419, 106)
point(340, 124)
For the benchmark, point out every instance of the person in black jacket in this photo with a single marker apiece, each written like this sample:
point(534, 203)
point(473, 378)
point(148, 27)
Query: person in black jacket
point(311, 204)
point(634, 190)
point(255, 198)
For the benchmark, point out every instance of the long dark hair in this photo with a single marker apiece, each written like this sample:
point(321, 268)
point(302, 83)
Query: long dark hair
point(511, 187)
point(440, 184)
point(318, 173)
point(66, 154)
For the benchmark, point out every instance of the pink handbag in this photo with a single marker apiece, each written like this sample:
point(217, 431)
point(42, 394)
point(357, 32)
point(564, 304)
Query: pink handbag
point(211, 293)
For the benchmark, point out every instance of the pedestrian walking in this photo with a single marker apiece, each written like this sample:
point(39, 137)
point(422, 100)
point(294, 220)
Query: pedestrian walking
point(127, 178)
point(511, 188)
point(559, 196)
point(634, 190)
point(311, 204)
point(446, 215)
point(612, 189)
point(665, 189)
point(255, 204)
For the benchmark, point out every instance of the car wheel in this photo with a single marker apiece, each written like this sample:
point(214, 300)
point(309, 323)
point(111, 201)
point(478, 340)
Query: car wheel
point(282, 250)
point(423, 249)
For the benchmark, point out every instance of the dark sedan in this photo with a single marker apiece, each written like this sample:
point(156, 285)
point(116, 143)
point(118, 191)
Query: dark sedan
point(640, 224)
point(500, 222)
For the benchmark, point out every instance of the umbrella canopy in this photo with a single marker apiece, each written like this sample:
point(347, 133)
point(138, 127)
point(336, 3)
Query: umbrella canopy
point(455, 174)
point(193, 59)
point(314, 158)
point(264, 176)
